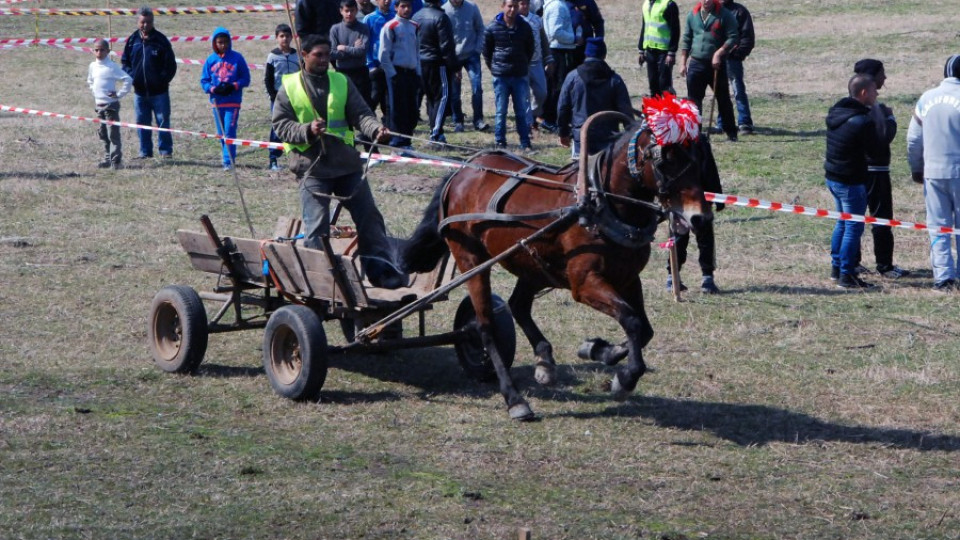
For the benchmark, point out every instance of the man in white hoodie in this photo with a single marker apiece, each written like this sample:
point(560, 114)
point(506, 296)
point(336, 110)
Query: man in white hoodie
point(103, 77)
point(933, 151)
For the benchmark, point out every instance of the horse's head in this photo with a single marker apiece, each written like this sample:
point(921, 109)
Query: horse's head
point(671, 167)
point(675, 173)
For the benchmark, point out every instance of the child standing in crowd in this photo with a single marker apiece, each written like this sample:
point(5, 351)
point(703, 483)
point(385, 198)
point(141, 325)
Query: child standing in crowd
point(103, 75)
point(281, 61)
point(225, 75)
point(348, 48)
point(378, 81)
point(400, 60)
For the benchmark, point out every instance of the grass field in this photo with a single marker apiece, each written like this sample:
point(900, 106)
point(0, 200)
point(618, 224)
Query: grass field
point(783, 408)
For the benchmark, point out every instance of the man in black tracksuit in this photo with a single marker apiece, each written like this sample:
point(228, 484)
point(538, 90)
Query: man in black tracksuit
point(879, 192)
point(438, 58)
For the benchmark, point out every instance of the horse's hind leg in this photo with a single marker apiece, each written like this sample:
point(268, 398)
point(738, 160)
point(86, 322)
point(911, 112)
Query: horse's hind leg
point(480, 295)
point(521, 305)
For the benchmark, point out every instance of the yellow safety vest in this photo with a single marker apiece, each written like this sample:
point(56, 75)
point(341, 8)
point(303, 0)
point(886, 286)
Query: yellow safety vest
point(303, 107)
point(656, 33)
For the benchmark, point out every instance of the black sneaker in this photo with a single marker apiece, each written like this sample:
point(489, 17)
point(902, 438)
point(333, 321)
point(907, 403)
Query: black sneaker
point(892, 272)
point(708, 286)
point(480, 125)
point(849, 281)
point(834, 273)
point(500, 146)
point(746, 130)
point(946, 285)
point(105, 164)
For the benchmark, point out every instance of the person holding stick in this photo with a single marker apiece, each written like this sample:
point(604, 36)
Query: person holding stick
point(314, 115)
point(710, 33)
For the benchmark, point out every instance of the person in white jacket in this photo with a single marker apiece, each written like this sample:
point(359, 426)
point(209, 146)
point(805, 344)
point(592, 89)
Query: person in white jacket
point(933, 152)
point(104, 76)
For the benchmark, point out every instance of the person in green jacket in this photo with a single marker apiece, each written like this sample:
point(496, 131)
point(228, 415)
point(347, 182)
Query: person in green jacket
point(710, 33)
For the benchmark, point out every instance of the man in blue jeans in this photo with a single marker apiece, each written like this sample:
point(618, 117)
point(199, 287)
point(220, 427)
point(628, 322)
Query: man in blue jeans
point(507, 51)
point(735, 66)
point(851, 138)
point(149, 60)
point(468, 35)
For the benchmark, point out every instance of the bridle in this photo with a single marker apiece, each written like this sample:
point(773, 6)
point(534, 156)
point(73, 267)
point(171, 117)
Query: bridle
point(653, 152)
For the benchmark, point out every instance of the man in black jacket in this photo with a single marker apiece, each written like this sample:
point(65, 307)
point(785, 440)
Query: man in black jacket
point(507, 50)
point(879, 190)
point(589, 89)
point(438, 59)
point(735, 66)
point(149, 60)
point(851, 138)
point(315, 17)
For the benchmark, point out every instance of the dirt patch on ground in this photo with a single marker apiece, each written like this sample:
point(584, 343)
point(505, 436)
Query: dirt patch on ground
point(408, 183)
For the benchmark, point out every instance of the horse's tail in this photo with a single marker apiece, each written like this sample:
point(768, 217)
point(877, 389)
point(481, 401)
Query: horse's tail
point(422, 251)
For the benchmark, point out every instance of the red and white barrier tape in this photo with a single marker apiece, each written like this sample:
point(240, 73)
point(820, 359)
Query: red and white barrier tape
point(14, 1)
point(239, 142)
point(712, 197)
point(263, 8)
point(173, 39)
point(186, 61)
point(820, 212)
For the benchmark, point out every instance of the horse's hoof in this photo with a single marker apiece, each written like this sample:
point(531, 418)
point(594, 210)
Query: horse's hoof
point(590, 348)
point(521, 412)
point(614, 354)
point(545, 374)
point(619, 392)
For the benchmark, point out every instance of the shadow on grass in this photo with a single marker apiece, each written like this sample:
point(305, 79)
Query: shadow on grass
point(41, 175)
point(758, 425)
point(219, 371)
point(780, 132)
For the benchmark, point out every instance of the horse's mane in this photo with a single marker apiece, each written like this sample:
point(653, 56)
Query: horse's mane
point(624, 139)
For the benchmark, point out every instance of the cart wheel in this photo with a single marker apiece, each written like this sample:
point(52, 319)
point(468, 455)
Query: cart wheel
point(177, 329)
point(295, 352)
point(470, 352)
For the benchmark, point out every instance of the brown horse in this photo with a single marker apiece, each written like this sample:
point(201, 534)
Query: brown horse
point(596, 245)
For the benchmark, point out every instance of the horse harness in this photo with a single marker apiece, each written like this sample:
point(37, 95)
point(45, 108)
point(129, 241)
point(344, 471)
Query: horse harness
point(596, 213)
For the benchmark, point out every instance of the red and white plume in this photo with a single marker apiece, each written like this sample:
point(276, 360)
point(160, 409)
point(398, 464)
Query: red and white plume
point(672, 120)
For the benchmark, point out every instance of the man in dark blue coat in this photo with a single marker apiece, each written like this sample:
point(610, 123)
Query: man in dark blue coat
point(589, 89)
point(508, 50)
point(149, 60)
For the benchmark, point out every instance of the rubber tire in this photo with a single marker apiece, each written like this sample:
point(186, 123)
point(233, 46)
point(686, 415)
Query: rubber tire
point(295, 352)
point(473, 358)
point(177, 329)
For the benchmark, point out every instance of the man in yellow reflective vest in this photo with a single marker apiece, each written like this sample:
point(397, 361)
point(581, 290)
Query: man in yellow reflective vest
point(657, 46)
point(313, 116)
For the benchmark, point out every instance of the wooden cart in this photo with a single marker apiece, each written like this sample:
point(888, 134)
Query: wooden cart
point(290, 291)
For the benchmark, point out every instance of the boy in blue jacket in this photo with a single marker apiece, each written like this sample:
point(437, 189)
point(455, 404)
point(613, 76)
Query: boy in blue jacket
point(225, 75)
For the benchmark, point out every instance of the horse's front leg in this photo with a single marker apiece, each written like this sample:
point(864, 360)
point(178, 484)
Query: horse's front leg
point(627, 309)
point(521, 305)
point(480, 295)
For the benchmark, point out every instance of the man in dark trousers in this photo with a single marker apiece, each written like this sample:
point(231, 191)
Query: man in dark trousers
point(149, 60)
point(709, 35)
point(315, 17)
point(314, 115)
point(879, 191)
point(438, 59)
point(851, 139)
point(589, 89)
point(735, 66)
point(658, 43)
